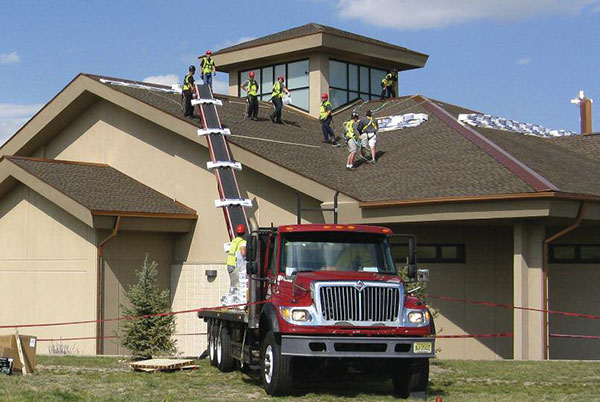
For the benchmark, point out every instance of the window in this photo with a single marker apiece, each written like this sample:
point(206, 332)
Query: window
point(295, 74)
point(348, 82)
point(574, 253)
point(431, 253)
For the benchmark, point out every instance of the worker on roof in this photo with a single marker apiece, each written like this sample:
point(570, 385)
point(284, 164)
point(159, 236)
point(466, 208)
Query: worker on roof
point(189, 89)
point(251, 88)
point(352, 139)
point(387, 84)
point(236, 262)
point(276, 97)
point(367, 127)
point(207, 68)
point(326, 118)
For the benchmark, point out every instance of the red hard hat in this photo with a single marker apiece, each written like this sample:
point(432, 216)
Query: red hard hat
point(208, 52)
point(240, 229)
point(251, 74)
point(280, 78)
point(324, 96)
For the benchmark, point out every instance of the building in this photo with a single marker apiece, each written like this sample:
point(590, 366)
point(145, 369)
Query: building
point(109, 170)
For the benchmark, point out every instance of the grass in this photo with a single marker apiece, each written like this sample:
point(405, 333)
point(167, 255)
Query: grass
point(72, 378)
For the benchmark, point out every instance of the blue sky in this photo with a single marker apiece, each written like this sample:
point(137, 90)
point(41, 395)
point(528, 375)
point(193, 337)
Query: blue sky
point(520, 59)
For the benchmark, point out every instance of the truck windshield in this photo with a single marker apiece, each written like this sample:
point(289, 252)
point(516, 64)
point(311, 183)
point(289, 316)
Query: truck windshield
point(337, 251)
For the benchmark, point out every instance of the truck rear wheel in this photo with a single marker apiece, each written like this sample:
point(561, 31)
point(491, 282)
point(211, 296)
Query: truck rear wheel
point(276, 369)
point(225, 362)
point(212, 344)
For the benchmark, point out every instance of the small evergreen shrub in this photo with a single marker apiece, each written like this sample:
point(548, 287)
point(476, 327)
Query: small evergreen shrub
point(147, 337)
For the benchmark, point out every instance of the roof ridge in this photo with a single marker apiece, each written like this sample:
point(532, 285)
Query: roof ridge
point(515, 166)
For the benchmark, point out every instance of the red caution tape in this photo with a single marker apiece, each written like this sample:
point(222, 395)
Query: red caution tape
point(510, 306)
point(504, 335)
point(56, 324)
point(574, 336)
point(83, 338)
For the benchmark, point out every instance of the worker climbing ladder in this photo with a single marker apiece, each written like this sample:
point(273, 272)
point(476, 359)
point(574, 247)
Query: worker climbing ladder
point(222, 164)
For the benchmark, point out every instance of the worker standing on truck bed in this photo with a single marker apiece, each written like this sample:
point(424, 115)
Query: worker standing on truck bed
point(367, 127)
point(251, 88)
point(236, 259)
point(189, 89)
point(352, 139)
point(207, 68)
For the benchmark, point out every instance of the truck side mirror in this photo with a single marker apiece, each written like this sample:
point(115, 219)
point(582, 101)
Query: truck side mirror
point(412, 258)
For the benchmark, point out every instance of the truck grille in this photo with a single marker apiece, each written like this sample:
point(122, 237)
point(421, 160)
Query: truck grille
point(371, 303)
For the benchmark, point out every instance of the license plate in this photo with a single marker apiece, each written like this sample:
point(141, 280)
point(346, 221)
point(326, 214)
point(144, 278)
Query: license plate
point(422, 347)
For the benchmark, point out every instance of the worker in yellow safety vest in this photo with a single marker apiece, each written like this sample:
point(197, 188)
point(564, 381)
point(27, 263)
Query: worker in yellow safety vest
point(251, 88)
point(236, 257)
point(325, 118)
point(387, 84)
point(207, 68)
point(352, 139)
point(189, 89)
point(276, 98)
point(367, 128)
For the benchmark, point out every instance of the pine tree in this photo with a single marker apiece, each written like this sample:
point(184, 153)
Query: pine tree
point(146, 337)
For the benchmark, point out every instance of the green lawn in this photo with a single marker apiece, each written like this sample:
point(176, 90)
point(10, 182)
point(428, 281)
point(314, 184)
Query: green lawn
point(71, 378)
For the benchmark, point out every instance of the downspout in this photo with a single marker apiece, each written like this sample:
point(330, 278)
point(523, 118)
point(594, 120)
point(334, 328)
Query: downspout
point(100, 288)
point(547, 241)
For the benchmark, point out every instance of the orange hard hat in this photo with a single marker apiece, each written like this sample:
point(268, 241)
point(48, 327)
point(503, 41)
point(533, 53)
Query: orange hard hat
point(324, 96)
point(251, 74)
point(240, 229)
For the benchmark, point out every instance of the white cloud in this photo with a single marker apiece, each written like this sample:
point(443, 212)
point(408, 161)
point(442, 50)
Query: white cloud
point(417, 14)
point(9, 58)
point(523, 61)
point(167, 79)
point(13, 116)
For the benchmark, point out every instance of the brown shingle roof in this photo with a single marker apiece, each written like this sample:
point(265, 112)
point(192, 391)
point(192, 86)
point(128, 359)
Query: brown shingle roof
point(305, 30)
point(99, 187)
point(431, 160)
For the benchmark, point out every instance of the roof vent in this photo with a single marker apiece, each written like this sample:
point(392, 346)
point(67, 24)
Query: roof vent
point(585, 110)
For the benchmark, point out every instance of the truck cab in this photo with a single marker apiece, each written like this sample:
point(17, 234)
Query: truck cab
point(331, 293)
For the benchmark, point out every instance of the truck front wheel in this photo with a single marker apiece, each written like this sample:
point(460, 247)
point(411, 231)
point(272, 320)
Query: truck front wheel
point(276, 369)
point(421, 371)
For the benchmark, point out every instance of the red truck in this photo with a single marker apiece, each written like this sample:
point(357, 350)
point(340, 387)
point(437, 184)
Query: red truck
point(324, 296)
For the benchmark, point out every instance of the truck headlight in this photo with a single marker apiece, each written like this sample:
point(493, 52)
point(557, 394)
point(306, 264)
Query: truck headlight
point(416, 317)
point(298, 315)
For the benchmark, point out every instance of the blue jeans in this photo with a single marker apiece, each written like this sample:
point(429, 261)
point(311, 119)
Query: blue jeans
point(207, 79)
point(327, 130)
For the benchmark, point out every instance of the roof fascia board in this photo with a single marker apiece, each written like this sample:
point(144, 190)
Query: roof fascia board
point(518, 168)
point(388, 55)
point(8, 168)
point(45, 115)
point(230, 60)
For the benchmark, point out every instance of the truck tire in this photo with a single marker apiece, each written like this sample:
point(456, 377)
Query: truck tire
point(421, 373)
point(225, 362)
point(212, 344)
point(275, 369)
point(402, 378)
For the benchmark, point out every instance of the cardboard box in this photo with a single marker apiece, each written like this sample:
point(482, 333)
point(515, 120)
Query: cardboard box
point(8, 348)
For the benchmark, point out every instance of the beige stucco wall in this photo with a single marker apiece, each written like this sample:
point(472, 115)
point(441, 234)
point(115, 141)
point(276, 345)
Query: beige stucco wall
point(574, 288)
point(123, 256)
point(47, 269)
point(486, 275)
